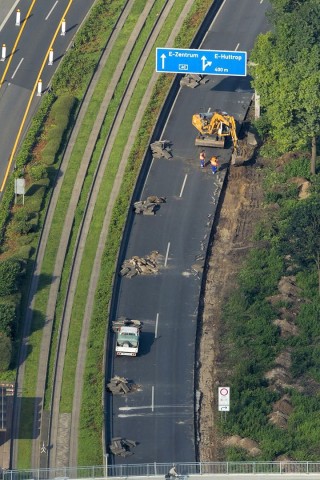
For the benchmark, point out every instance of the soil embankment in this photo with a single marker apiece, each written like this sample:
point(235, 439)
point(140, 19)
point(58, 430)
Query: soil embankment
point(240, 211)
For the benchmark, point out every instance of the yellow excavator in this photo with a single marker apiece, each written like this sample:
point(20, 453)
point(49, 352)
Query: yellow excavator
point(213, 128)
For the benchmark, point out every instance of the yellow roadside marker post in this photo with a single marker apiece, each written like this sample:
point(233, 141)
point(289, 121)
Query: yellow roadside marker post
point(3, 52)
point(50, 60)
point(18, 18)
point(63, 27)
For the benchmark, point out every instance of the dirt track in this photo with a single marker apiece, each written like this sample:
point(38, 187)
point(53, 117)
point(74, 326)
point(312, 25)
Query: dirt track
point(241, 209)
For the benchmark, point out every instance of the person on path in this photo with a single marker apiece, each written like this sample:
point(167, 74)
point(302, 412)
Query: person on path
point(173, 472)
point(214, 164)
point(202, 159)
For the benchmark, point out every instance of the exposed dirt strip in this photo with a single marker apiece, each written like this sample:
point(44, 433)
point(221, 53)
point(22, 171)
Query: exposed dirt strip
point(240, 212)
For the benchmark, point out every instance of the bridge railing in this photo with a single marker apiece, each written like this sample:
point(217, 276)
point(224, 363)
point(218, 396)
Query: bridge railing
point(160, 469)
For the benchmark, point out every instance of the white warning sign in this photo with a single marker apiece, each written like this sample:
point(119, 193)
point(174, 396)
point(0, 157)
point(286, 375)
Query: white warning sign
point(224, 399)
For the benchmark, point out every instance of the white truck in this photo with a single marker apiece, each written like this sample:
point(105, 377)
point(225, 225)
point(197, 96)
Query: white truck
point(127, 336)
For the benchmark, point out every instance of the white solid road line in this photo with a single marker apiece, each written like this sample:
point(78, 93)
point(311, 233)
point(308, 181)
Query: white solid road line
point(14, 73)
point(54, 6)
point(8, 15)
point(153, 414)
point(237, 47)
point(152, 399)
point(145, 182)
point(167, 254)
point(156, 329)
point(145, 407)
point(183, 185)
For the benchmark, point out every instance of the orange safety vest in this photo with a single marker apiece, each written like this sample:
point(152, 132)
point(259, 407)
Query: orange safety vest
point(214, 161)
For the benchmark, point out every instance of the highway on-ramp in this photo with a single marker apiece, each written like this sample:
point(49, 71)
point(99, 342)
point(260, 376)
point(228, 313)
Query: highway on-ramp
point(40, 23)
point(160, 416)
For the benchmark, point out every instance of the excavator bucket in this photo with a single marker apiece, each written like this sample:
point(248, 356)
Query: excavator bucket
point(210, 141)
point(237, 158)
point(242, 153)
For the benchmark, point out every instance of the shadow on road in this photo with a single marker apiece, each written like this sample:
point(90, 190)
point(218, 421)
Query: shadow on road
point(233, 84)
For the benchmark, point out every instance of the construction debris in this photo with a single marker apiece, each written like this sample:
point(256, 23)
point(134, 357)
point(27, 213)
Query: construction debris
point(125, 322)
point(122, 446)
point(149, 206)
point(193, 80)
point(140, 265)
point(120, 386)
point(161, 148)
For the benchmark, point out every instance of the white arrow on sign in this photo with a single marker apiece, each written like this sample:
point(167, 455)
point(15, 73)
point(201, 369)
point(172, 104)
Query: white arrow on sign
point(204, 63)
point(163, 57)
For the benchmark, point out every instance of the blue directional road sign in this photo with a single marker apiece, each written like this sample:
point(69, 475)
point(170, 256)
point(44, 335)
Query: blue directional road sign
point(202, 62)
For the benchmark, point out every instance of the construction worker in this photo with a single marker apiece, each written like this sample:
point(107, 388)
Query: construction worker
point(202, 159)
point(214, 164)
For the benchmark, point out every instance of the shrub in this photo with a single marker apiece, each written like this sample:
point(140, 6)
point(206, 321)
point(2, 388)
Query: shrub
point(37, 172)
point(9, 275)
point(5, 352)
point(7, 318)
point(20, 224)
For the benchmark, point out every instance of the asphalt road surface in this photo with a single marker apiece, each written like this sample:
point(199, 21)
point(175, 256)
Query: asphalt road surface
point(31, 51)
point(160, 416)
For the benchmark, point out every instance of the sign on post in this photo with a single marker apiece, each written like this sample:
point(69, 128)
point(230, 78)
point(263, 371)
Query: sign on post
point(201, 62)
point(224, 399)
point(19, 188)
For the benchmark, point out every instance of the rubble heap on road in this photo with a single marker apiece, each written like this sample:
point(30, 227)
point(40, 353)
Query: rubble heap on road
point(193, 80)
point(120, 386)
point(161, 148)
point(122, 446)
point(140, 265)
point(125, 322)
point(149, 206)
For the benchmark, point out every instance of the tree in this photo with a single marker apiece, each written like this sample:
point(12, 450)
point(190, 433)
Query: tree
point(5, 352)
point(302, 234)
point(7, 318)
point(9, 273)
point(287, 75)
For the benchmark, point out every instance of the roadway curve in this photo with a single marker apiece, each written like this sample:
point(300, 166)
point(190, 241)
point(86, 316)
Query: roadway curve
point(160, 416)
point(30, 53)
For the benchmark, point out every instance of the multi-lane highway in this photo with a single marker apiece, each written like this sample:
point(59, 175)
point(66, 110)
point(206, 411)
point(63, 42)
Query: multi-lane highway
point(161, 415)
point(39, 30)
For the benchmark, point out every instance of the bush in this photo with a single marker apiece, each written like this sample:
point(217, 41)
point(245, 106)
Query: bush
point(9, 275)
point(7, 318)
point(261, 273)
point(20, 223)
point(37, 172)
point(5, 352)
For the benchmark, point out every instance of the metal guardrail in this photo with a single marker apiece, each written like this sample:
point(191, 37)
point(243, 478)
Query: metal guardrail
point(160, 469)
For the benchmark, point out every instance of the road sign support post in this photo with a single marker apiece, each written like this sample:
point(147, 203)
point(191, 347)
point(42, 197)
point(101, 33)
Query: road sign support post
point(18, 18)
point(3, 52)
